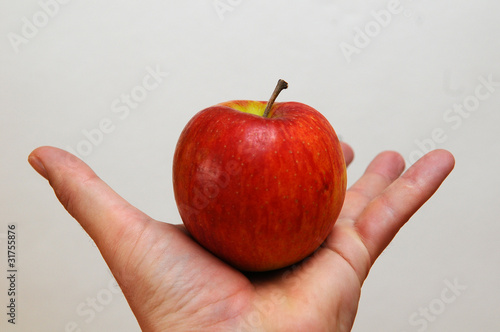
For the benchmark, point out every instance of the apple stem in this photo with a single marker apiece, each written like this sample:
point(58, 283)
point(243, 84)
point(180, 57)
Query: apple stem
point(280, 86)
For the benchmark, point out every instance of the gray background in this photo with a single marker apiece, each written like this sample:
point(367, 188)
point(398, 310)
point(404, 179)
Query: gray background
point(62, 78)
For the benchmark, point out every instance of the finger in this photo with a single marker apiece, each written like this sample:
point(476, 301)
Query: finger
point(348, 153)
point(388, 212)
point(102, 213)
point(382, 171)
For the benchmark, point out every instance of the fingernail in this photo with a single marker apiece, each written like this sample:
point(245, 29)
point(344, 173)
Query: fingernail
point(38, 166)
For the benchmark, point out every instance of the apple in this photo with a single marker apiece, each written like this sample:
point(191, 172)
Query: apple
point(259, 184)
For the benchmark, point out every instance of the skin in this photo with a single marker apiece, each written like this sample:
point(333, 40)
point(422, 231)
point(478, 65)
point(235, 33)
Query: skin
point(171, 283)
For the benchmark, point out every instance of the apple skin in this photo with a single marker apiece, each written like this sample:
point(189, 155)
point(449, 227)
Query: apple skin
point(259, 193)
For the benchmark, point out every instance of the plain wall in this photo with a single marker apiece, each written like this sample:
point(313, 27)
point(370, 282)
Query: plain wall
point(384, 81)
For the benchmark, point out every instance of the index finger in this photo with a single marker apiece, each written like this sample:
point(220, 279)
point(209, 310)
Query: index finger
point(348, 153)
point(389, 211)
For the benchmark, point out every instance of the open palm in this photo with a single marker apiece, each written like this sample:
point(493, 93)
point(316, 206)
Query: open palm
point(173, 284)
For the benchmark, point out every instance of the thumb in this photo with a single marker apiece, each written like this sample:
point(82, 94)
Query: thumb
point(108, 218)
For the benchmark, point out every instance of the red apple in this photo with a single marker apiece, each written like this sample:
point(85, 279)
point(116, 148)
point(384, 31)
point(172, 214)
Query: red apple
point(259, 188)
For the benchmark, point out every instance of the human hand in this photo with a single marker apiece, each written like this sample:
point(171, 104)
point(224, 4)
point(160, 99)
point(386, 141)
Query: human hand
point(172, 283)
